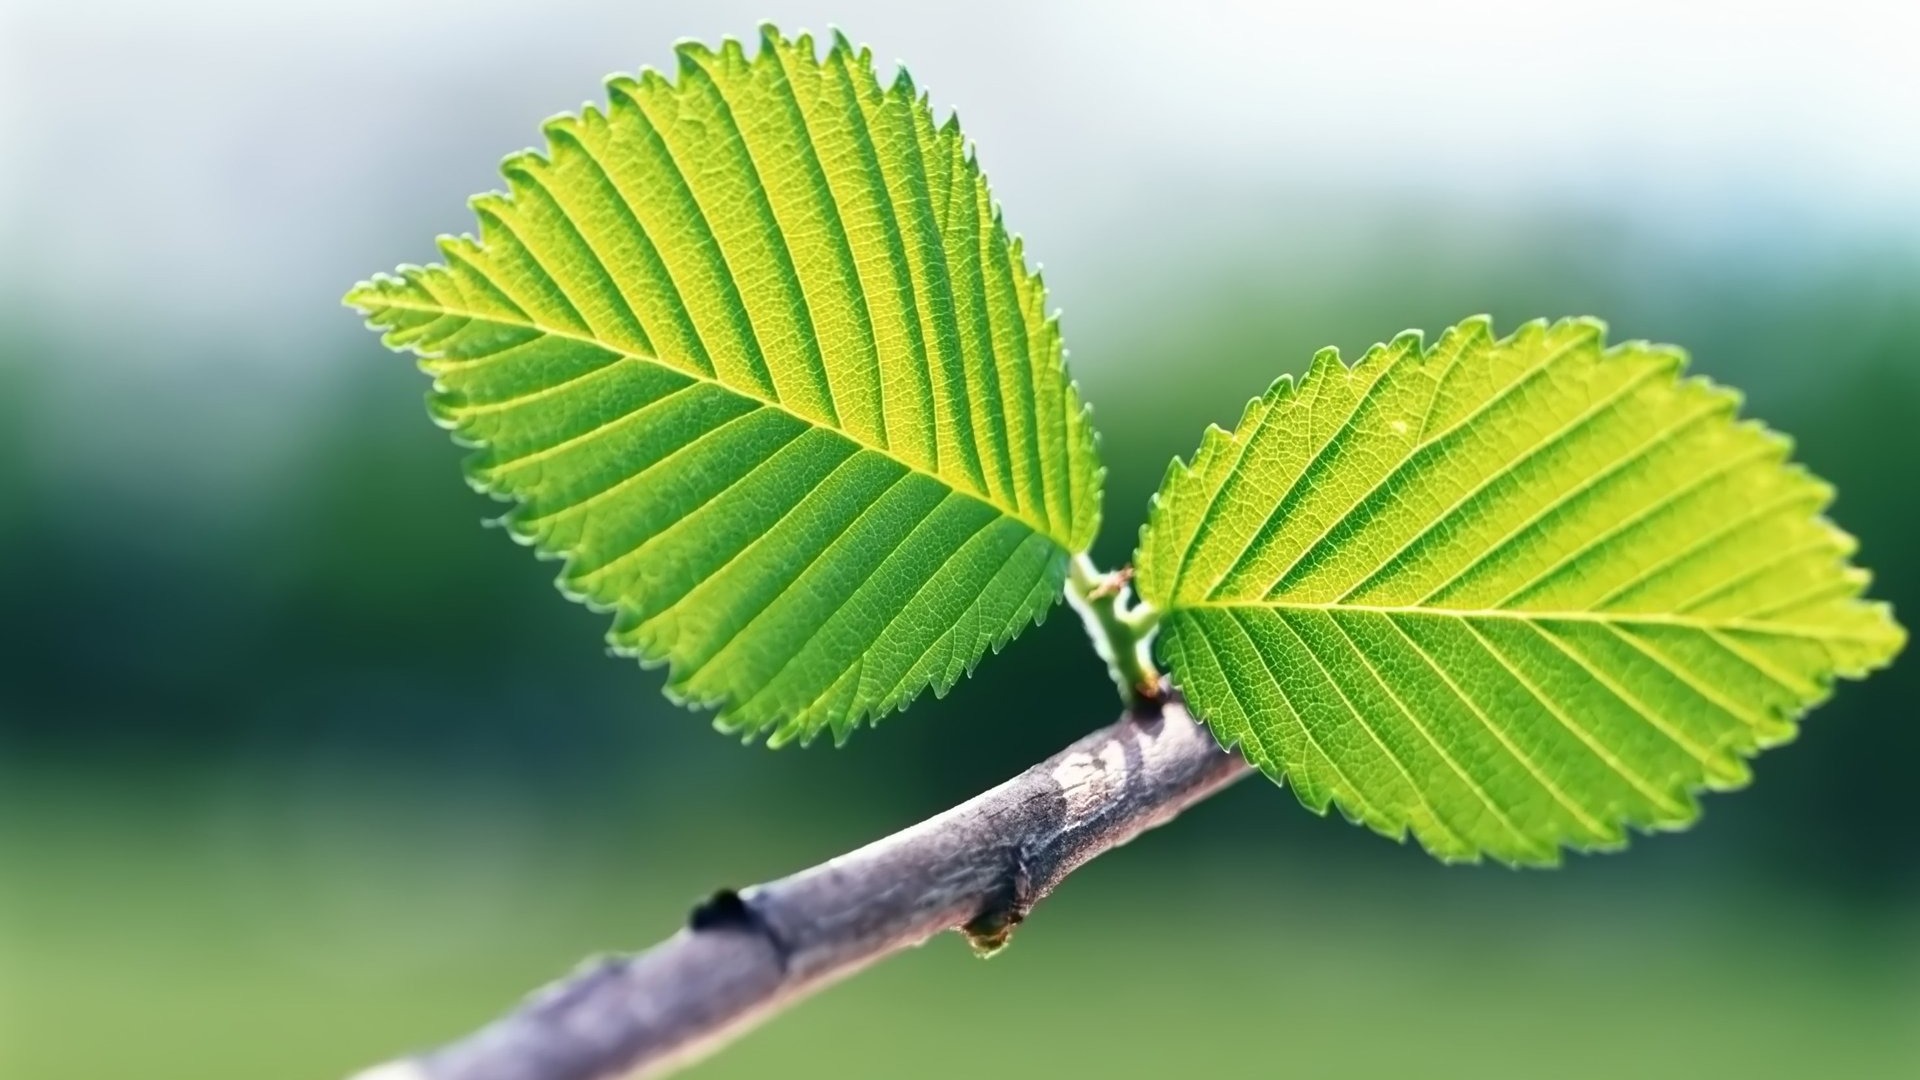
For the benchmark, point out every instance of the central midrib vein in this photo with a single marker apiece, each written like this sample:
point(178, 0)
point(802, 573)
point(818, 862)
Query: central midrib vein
point(1648, 618)
point(700, 376)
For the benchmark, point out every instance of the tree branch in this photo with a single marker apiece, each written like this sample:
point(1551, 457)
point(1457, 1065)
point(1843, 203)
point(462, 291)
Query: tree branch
point(979, 867)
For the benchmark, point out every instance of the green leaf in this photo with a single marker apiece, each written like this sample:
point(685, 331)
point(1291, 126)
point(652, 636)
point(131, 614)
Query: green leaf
point(1510, 595)
point(753, 352)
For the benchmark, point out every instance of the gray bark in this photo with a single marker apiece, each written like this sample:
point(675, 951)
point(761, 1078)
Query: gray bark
point(743, 956)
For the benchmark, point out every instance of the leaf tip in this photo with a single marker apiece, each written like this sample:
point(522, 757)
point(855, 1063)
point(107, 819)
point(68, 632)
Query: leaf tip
point(365, 296)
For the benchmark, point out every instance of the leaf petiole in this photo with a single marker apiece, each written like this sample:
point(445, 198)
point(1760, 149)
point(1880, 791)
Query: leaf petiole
point(1122, 631)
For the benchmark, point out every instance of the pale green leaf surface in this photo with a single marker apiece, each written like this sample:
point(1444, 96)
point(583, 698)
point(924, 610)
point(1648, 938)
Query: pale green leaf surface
point(1509, 595)
point(753, 352)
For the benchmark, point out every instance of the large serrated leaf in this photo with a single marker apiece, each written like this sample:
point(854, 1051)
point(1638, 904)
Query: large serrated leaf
point(1511, 595)
point(755, 354)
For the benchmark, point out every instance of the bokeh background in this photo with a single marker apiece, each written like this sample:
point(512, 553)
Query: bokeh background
point(300, 766)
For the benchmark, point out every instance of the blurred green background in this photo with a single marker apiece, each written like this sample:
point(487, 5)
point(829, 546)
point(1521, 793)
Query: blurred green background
point(300, 767)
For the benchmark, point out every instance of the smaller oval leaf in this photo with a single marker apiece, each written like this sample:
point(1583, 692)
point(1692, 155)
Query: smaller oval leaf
point(1511, 595)
point(754, 353)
